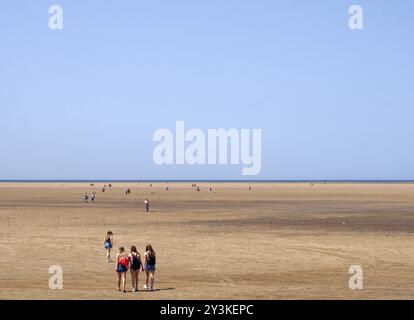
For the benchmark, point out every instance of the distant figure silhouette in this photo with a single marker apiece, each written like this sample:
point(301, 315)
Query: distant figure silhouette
point(147, 205)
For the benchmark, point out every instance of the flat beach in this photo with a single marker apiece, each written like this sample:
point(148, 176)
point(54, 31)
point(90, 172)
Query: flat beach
point(276, 241)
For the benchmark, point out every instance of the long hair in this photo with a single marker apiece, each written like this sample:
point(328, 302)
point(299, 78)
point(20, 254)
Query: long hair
point(108, 235)
point(149, 249)
point(134, 249)
point(121, 254)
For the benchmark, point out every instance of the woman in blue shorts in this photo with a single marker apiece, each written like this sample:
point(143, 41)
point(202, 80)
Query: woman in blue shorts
point(122, 265)
point(108, 243)
point(149, 262)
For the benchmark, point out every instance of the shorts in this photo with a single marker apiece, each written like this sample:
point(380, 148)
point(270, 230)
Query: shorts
point(121, 268)
point(150, 267)
point(108, 245)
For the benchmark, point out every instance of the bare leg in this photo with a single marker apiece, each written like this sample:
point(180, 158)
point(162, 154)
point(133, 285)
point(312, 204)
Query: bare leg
point(152, 280)
point(146, 278)
point(119, 281)
point(123, 281)
point(136, 279)
point(132, 280)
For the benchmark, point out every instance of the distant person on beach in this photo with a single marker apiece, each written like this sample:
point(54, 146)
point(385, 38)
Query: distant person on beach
point(122, 264)
point(149, 263)
point(86, 198)
point(104, 188)
point(135, 264)
point(198, 189)
point(127, 191)
point(147, 205)
point(93, 197)
point(108, 243)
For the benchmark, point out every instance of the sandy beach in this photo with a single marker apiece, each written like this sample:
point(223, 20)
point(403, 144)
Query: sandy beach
point(277, 241)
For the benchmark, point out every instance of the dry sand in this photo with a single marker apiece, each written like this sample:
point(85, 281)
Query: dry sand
point(277, 241)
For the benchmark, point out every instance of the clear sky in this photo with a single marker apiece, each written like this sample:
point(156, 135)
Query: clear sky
point(84, 102)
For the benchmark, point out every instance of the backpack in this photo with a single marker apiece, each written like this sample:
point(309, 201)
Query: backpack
point(151, 259)
point(135, 262)
point(124, 262)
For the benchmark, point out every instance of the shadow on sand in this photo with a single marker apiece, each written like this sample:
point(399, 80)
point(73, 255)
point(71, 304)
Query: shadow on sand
point(162, 289)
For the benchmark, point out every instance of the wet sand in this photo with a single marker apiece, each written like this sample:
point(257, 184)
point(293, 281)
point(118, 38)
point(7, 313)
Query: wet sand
point(277, 241)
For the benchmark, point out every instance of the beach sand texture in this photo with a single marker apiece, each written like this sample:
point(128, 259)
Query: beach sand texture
point(277, 241)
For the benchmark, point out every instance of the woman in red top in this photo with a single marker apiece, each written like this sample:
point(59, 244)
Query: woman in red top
point(122, 264)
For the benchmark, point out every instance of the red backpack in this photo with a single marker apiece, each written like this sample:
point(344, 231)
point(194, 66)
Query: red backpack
point(124, 262)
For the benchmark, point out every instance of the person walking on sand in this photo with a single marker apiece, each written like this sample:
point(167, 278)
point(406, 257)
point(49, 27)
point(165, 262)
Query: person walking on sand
point(122, 264)
point(93, 197)
point(135, 264)
point(147, 205)
point(86, 198)
point(108, 243)
point(149, 263)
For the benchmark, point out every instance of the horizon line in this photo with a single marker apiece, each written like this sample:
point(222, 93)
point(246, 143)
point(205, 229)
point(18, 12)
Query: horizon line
point(215, 180)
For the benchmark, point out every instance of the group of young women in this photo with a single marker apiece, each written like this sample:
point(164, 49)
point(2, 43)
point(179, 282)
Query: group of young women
point(132, 261)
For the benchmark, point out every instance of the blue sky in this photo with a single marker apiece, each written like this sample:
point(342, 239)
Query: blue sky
point(84, 102)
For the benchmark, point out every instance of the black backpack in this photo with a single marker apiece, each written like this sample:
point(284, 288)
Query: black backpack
point(151, 259)
point(135, 262)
